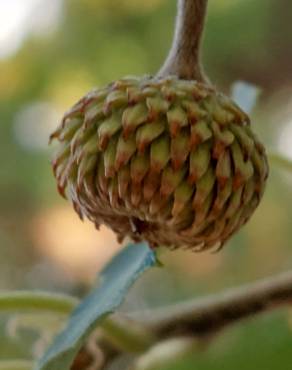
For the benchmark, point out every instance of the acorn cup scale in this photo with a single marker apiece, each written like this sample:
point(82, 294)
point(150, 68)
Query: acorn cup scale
point(165, 159)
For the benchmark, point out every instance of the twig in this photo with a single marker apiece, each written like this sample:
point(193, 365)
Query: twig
point(199, 317)
point(210, 314)
point(91, 356)
point(37, 301)
point(165, 353)
point(122, 334)
point(127, 335)
point(281, 161)
point(16, 365)
point(183, 59)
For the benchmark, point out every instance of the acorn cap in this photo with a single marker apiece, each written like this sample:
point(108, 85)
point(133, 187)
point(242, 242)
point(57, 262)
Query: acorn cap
point(165, 160)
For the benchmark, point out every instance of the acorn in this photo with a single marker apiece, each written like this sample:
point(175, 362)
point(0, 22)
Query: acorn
point(165, 159)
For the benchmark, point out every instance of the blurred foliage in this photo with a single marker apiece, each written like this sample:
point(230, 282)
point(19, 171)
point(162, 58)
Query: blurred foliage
point(96, 42)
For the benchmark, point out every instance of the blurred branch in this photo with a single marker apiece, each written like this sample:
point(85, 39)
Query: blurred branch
point(165, 353)
point(196, 318)
point(37, 301)
point(184, 328)
point(123, 334)
point(183, 59)
point(148, 331)
point(126, 334)
point(91, 355)
point(281, 161)
point(208, 315)
point(191, 325)
point(16, 365)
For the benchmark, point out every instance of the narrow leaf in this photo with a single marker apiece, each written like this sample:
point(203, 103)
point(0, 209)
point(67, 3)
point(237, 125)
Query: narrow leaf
point(113, 284)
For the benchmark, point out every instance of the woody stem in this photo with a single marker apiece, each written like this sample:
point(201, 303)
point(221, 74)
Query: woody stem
point(183, 59)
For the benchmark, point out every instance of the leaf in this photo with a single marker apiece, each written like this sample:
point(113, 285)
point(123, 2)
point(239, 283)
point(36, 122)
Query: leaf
point(114, 282)
point(245, 95)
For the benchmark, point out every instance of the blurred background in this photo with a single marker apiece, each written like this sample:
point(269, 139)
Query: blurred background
point(52, 53)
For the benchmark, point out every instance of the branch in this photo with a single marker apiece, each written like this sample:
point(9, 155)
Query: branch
point(281, 161)
point(178, 327)
point(165, 353)
point(183, 328)
point(123, 335)
point(184, 57)
point(187, 326)
point(210, 314)
point(16, 365)
point(37, 301)
point(198, 318)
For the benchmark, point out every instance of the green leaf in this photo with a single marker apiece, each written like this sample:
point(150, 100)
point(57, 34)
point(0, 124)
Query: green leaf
point(114, 282)
point(245, 95)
